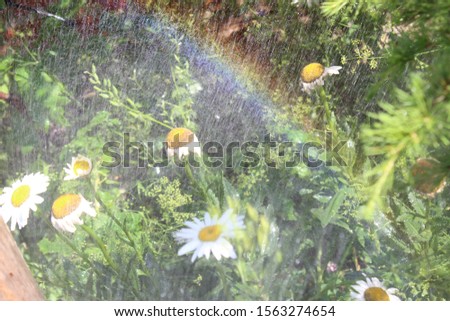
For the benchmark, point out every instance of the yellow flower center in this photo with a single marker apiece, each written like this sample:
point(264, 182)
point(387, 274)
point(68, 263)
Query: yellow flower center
point(312, 72)
point(65, 205)
point(81, 166)
point(20, 195)
point(376, 294)
point(179, 137)
point(210, 233)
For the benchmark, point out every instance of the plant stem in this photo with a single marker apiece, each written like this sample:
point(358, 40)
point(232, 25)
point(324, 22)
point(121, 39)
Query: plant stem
point(191, 178)
point(83, 256)
point(117, 222)
point(112, 95)
point(319, 260)
point(355, 259)
point(223, 279)
point(108, 258)
point(346, 252)
point(102, 247)
point(398, 227)
point(133, 112)
point(328, 115)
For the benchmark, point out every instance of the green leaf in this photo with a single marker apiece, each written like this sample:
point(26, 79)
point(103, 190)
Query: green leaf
point(4, 89)
point(54, 247)
point(330, 213)
point(6, 64)
point(21, 76)
point(332, 7)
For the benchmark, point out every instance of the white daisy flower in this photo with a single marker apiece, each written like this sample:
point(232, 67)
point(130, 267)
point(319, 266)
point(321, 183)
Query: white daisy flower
point(80, 166)
point(373, 290)
point(313, 74)
point(181, 141)
point(67, 209)
point(209, 235)
point(17, 200)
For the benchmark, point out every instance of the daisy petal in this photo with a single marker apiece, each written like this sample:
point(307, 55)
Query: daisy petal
point(209, 236)
point(188, 247)
point(21, 197)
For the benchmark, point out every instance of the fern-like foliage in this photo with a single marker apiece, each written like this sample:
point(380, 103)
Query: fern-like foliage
point(410, 126)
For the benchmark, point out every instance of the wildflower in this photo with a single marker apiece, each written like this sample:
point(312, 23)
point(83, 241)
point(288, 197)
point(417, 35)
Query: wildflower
point(313, 74)
point(331, 267)
point(80, 166)
point(67, 209)
point(17, 200)
point(181, 141)
point(373, 290)
point(209, 235)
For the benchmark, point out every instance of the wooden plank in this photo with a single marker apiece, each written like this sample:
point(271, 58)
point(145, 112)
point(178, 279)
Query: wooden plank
point(16, 281)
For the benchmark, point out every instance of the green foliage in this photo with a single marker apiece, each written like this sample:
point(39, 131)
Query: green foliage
point(179, 109)
point(108, 91)
point(309, 233)
point(331, 8)
point(168, 197)
point(410, 127)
